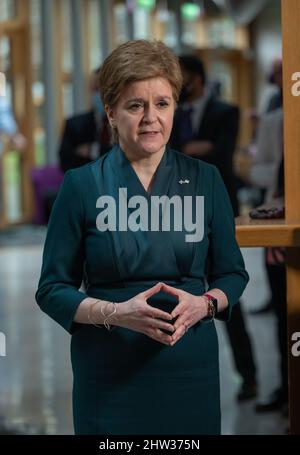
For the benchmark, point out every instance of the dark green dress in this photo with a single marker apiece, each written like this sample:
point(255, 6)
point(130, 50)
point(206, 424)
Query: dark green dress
point(125, 382)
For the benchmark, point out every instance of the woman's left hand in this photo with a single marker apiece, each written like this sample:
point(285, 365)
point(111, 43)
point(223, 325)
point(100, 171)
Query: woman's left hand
point(190, 309)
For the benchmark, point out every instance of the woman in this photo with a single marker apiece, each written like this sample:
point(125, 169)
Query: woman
point(145, 263)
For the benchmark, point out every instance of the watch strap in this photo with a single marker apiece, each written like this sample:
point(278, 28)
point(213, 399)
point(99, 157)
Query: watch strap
point(212, 306)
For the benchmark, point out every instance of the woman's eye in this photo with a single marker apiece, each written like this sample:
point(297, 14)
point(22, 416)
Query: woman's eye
point(135, 107)
point(163, 104)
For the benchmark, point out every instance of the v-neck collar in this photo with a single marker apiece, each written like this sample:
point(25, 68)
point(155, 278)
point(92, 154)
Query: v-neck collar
point(129, 179)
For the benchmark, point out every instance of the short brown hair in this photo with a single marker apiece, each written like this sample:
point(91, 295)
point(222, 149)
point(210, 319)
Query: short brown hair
point(138, 60)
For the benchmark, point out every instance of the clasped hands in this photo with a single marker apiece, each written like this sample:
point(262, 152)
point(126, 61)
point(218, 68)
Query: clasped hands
point(136, 314)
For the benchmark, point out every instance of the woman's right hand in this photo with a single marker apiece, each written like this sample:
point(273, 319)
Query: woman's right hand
point(136, 314)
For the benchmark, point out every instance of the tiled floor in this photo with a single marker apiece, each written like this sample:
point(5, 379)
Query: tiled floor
point(35, 375)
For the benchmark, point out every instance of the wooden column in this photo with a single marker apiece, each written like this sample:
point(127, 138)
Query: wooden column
point(291, 64)
point(22, 67)
point(286, 232)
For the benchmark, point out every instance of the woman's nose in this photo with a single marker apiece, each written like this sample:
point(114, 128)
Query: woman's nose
point(149, 114)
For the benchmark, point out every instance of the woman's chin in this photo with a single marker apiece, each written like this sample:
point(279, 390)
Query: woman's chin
point(151, 149)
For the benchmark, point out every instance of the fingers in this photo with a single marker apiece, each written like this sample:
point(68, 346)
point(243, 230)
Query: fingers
point(180, 321)
point(158, 335)
point(182, 329)
point(184, 321)
point(170, 290)
point(169, 340)
point(154, 290)
point(158, 317)
point(158, 314)
point(178, 310)
point(159, 324)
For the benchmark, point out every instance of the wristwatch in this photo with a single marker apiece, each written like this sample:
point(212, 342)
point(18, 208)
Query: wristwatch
point(212, 307)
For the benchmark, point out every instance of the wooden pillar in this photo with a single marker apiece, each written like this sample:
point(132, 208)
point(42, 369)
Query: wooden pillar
point(291, 65)
point(23, 105)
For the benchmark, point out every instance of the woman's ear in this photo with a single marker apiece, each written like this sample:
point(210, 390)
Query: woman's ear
point(110, 116)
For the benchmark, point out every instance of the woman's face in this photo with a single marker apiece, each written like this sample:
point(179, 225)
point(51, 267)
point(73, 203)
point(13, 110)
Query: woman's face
point(143, 117)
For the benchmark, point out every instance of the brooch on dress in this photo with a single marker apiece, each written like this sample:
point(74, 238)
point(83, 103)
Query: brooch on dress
point(185, 181)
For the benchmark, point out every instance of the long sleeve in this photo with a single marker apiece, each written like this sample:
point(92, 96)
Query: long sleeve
point(67, 148)
point(226, 268)
point(225, 142)
point(63, 258)
point(78, 127)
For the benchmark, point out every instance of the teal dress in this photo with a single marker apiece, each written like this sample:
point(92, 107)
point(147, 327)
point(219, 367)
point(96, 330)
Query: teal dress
point(125, 382)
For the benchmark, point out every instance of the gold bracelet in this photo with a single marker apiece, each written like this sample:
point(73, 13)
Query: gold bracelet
point(90, 315)
point(106, 317)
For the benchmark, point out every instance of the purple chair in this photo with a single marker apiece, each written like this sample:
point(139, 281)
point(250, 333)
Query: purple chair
point(46, 181)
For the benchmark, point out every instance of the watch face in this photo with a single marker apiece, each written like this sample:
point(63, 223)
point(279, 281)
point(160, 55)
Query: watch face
point(213, 300)
point(212, 309)
point(215, 304)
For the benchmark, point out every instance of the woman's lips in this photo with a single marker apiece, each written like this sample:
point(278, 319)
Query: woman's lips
point(149, 133)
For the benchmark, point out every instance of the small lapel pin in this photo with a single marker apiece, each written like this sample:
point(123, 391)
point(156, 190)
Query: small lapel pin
point(183, 181)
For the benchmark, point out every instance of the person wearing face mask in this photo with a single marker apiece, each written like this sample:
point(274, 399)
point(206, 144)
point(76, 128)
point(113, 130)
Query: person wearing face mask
point(204, 126)
point(86, 135)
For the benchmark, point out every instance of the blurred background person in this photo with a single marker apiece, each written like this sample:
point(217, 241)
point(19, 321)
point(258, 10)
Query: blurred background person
point(206, 128)
point(275, 78)
point(264, 169)
point(267, 173)
point(86, 136)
